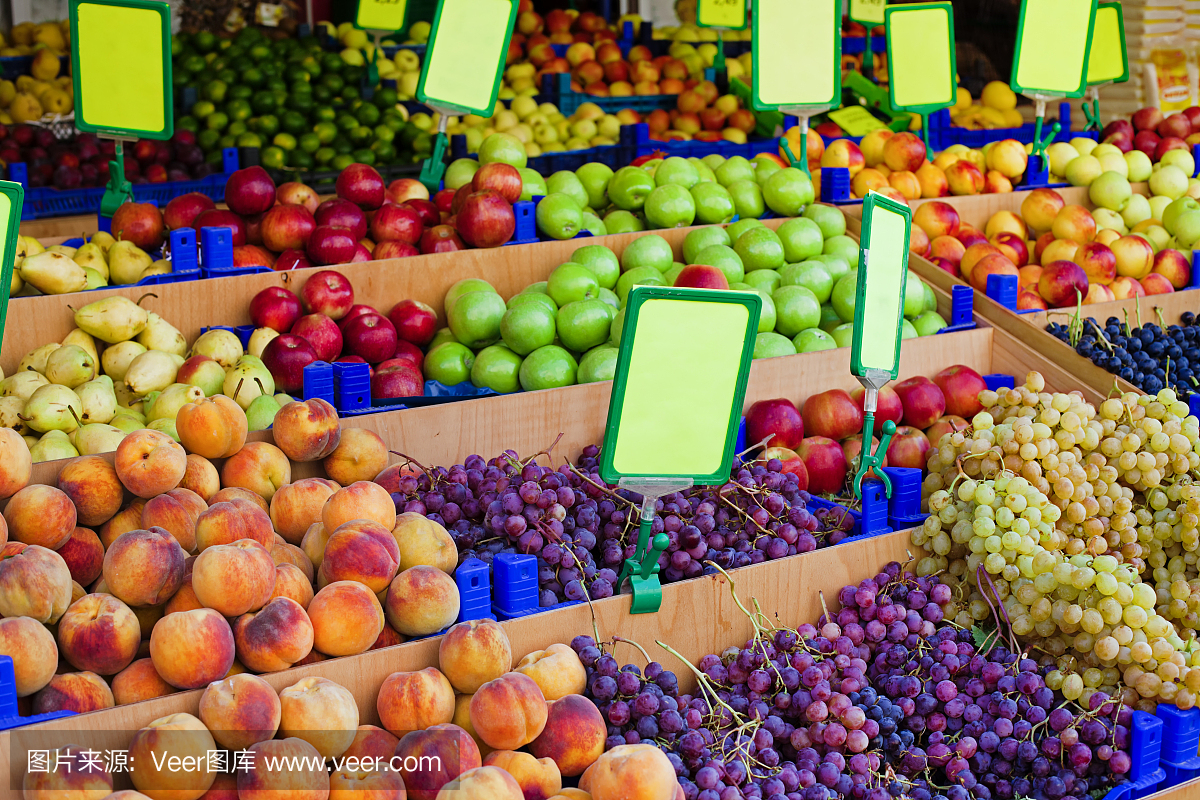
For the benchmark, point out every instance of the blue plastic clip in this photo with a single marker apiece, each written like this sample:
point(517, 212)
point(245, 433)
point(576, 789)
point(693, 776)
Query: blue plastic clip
point(835, 185)
point(18, 172)
point(1195, 277)
point(184, 256)
point(352, 386)
point(1196, 155)
point(474, 590)
point(10, 717)
point(1181, 731)
point(526, 231)
point(1175, 774)
point(874, 515)
point(514, 579)
point(1194, 405)
point(1003, 289)
point(997, 381)
point(1037, 173)
point(739, 444)
point(318, 381)
point(962, 307)
point(905, 509)
point(229, 160)
point(1146, 752)
point(216, 248)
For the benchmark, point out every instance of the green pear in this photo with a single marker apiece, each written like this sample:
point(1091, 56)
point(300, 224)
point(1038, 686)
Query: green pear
point(261, 412)
point(83, 339)
point(127, 422)
point(71, 365)
point(53, 273)
point(28, 246)
point(10, 414)
point(152, 371)
point(125, 396)
point(247, 381)
point(173, 398)
point(148, 403)
point(113, 319)
point(22, 384)
point(67, 251)
point(222, 346)
point(104, 240)
point(250, 358)
point(116, 358)
point(126, 263)
point(30, 439)
point(202, 371)
point(259, 339)
point(162, 335)
point(94, 279)
point(130, 412)
point(98, 438)
point(52, 447)
point(90, 256)
point(284, 399)
point(99, 400)
point(53, 408)
point(166, 426)
point(36, 359)
point(160, 267)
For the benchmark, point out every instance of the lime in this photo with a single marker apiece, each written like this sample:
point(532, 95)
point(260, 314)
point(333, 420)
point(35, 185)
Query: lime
point(215, 91)
point(285, 140)
point(330, 62)
point(346, 122)
point(341, 161)
point(249, 140)
point(324, 155)
point(293, 122)
point(300, 159)
point(322, 94)
point(194, 63)
point(310, 143)
point(325, 132)
point(253, 76)
point(227, 141)
point(207, 139)
point(301, 102)
point(180, 78)
point(384, 134)
point(342, 146)
point(300, 85)
point(188, 123)
point(219, 62)
point(385, 153)
point(311, 65)
point(333, 83)
point(205, 41)
point(227, 75)
point(394, 122)
point(272, 158)
point(260, 52)
point(367, 114)
point(238, 110)
point(281, 97)
point(240, 92)
point(177, 46)
point(351, 93)
point(237, 128)
point(263, 102)
point(276, 84)
point(324, 114)
point(216, 121)
point(364, 156)
point(268, 125)
point(385, 97)
point(362, 135)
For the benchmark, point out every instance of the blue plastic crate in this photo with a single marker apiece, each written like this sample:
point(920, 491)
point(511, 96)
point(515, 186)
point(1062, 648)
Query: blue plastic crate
point(1180, 729)
point(13, 67)
point(644, 145)
point(556, 88)
point(943, 134)
point(10, 717)
point(1145, 750)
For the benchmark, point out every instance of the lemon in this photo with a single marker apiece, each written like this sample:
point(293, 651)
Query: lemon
point(997, 95)
point(962, 98)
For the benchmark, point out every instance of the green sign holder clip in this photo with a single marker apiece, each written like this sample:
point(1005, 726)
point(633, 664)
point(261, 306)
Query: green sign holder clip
point(642, 569)
point(118, 190)
point(12, 198)
point(435, 165)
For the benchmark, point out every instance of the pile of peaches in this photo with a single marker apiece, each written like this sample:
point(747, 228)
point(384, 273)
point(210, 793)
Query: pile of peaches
point(703, 114)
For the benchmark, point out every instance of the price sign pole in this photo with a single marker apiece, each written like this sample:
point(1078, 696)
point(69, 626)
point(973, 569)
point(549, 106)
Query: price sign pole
point(121, 71)
point(1108, 60)
point(1054, 38)
point(921, 63)
point(721, 15)
point(797, 46)
point(879, 318)
point(669, 425)
point(12, 198)
point(379, 18)
point(463, 65)
point(869, 14)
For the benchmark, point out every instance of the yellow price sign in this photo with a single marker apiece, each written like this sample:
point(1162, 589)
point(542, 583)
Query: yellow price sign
point(121, 67)
point(381, 15)
point(465, 57)
point(12, 198)
point(721, 14)
point(1054, 38)
point(921, 62)
point(1108, 61)
point(797, 46)
point(868, 12)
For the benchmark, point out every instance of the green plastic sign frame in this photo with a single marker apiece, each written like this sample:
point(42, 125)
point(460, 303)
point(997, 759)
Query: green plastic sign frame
point(378, 15)
point(795, 33)
point(12, 198)
point(878, 300)
point(1051, 57)
point(664, 415)
point(913, 33)
point(868, 12)
point(724, 14)
point(468, 41)
point(115, 72)
point(1108, 33)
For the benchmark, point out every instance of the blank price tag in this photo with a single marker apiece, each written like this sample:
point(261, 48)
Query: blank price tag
point(1053, 40)
point(465, 58)
point(12, 197)
point(721, 14)
point(381, 15)
point(797, 47)
point(121, 67)
point(856, 120)
point(667, 418)
point(921, 63)
point(879, 300)
point(1108, 61)
point(868, 12)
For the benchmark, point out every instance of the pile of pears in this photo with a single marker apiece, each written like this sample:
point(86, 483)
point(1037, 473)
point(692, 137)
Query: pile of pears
point(59, 269)
point(119, 371)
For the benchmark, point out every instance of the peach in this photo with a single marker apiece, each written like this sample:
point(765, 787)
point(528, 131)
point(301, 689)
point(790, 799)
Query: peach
point(947, 247)
point(538, 778)
point(473, 653)
point(973, 255)
point(509, 712)
point(843, 153)
point(33, 652)
point(937, 219)
point(904, 151)
point(1027, 276)
point(556, 670)
point(313, 544)
point(346, 618)
point(359, 456)
point(307, 431)
point(291, 582)
point(1059, 250)
point(240, 711)
point(260, 467)
point(309, 783)
point(92, 485)
point(320, 712)
point(933, 181)
point(41, 515)
point(99, 634)
point(1174, 266)
point(362, 783)
point(275, 638)
point(201, 477)
point(371, 743)
point(171, 758)
point(906, 183)
point(176, 512)
point(227, 522)
point(192, 648)
point(1107, 236)
point(994, 182)
point(359, 500)
point(452, 747)
point(1076, 223)
point(238, 493)
point(298, 505)
point(421, 601)
point(234, 579)
point(139, 681)
point(84, 555)
point(423, 541)
point(126, 520)
point(80, 692)
point(1040, 207)
point(214, 427)
point(35, 583)
point(867, 181)
point(630, 770)
point(71, 776)
point(360, 550)
point(574, 734)
point(1005, 221)
point(412, 701)
point(144, 567)
point(918, 242)
point(1098, 293)
point(1098, 262)
point(872, 146)
point(995, 264)
point(462, 718)
point(1063, 283)
point(486, 783)
point(223, 788)
point(149, 462)
point(185, 599)
point(964, 178)
point(291, 554)
point(388, 637)
point(1013, 246)
point(1008, 157)
point(1155, 283)
point(968, 235)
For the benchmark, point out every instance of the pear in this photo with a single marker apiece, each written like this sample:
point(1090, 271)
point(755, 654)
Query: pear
point(22, 385)
point(125, 397)
point(54, 446)
point(83, 339)
point(10, 414)
point(148, 404)
point(99, 400)
point(162, 335)
point(98, 438)
point(247, 381)
point(116, 358)
point(53, 408)
point(259, 340)
point(261, 413)
point(94, 279)
point(71, 365)
point(36, 359)
point(53, 273)
point(283, 399)
point(152, 371)
point(160, 267)
point(69, 252)
point(30, 439)
point(28, 246)
point(166, 426)
point(202, 371)
point(16, 284)
point(222, 346)
point(137, 415)
point(173, 398)
point(113, 319)
point(251, 359)
point(104, 240)
point(127, 423)
point(91, 256)
point(126, 263)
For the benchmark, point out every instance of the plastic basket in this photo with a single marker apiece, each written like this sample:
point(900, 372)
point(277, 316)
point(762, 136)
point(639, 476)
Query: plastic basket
point(943, 134)
point(644, 145)
point(556, 89)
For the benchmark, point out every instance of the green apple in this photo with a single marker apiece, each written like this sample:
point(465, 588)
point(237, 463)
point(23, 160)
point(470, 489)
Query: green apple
point(764, 168)
point(570, 282)
point(1111, 191)
point(526, 327)
point(744, 224)
point(559, 216)
point(796, 308)
point(449, 363)
point(670, 205)
point(441, 336)
point(565, 182)
point(759, 248)
point(914, 295)
point(465, 286)
point(930, 297)
point(829, 318)
point(766, 280)
point(651, 250)
point(713, 203)
point(548, 367)
point(735, 168)
point(584, 324)
point(844, 296)
point(651, 166)
point(678, 171)
point(459, 172)
point(638, 276)
point(503, 147)
point(788, 191)
point(701, 238)
point(594, 177)
point(592, 224)
point(1176, 209)
point(614, 332)
point(766, 317)
point(629, 187)
point(496, 368)
point(475, 319)
point(533, 298)
point(771, 345)
point(532, 183)
point(1139, 166)
point(844, 334)
point(810, 340)
point(1168, 180)
point(671, 274)
point(713, 160)
point(535, 288)
point(610, 297)
point(601, 261)
point(837, 265)
point(929, 323)
point(747, 199)
point(598, 364)
point(907, 331)
point(812, 275)
point(621, 221)
point(830, 220)
point(842, 246)
point(1138, 208)
point(1181, 158)
point(721, 256)
point(801, 239)
point(702, 170)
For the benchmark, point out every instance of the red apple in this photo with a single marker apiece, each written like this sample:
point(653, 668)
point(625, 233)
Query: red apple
point(1062, 284)
point(1121, 141)
point(371, 336)
point(404, 189)
point(1147, 119)
point(294, 193)
point(961, 386)
point(825, 463)
point(1147, 142)
point(1176, 125)
point(702, 276)
point(292, 259)
point(287, 228)
point(181, 211)
point(140, 223)
point(792, 463)
point(385, 250)
point(356, 310)
point(947, 424)
point(285, 357)
point(1167, 144)
point(251, 255)
point(276, 308)
point(249, 191)
point(831, 414)
point(398, 380)
point(428, 211)
point(441, 239)
point(460, 197)
point(852, 449)
point(322, 333)
point(908, 448)
point(221, 218)
point(922, 400)
point(767, 417)
point(407, 351)
point(253, 229)
point(393, 223)
point(414, 321)
point(329, 245)
point(888, 406)
point(327, 292)
point(362, 185)
point(503, 179)
point(486, 220)
point(444, 199)
point(361, 254)
point(342, 214)
point(1119, 126)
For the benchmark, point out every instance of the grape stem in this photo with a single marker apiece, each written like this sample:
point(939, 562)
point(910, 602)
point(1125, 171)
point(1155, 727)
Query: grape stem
point(1100, 335)
point(758, 629)
point(410, 460)
point(641, 649)
point(1158, 314)
point(545, 452)
point(757, 445)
